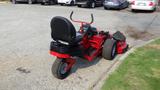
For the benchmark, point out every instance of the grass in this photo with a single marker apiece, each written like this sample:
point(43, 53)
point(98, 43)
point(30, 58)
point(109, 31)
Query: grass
point(139, 71)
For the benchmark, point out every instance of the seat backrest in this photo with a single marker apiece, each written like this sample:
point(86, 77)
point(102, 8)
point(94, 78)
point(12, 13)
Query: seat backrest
point(62, 29)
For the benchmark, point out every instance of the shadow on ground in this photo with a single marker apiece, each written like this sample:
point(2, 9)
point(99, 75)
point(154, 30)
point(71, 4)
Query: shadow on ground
point(83, 63)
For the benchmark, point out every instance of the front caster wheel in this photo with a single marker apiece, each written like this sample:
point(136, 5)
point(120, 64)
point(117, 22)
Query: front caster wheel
point(60, 68)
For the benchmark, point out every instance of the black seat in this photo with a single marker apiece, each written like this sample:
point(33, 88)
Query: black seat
point(119, 36)
point(62, 29)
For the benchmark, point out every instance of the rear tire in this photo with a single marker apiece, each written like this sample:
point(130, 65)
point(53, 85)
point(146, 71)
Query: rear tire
point(109, 49)
point(58, 68)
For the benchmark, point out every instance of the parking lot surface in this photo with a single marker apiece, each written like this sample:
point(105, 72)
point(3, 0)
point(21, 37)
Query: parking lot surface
point(25, 62)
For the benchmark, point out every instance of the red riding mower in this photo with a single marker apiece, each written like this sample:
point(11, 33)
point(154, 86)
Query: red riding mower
point(87, 43)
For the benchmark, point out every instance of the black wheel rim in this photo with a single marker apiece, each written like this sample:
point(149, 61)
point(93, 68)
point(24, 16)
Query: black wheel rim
point(113, 51)
point(63, 68)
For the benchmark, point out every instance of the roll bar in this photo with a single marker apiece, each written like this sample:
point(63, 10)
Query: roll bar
point(92, 19)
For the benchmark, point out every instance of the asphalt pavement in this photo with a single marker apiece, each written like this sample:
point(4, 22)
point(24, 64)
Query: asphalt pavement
point(25, 62)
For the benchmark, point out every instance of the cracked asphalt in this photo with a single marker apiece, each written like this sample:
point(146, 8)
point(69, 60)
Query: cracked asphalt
point(25, 62)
